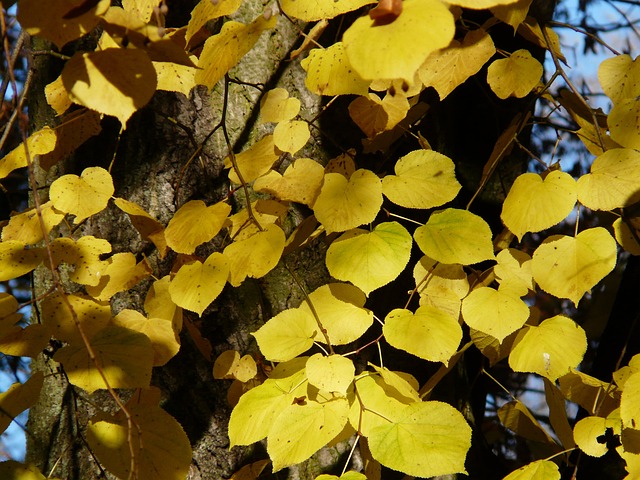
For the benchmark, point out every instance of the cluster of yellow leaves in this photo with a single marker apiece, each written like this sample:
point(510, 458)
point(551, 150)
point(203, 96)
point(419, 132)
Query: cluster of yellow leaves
point(387, 62)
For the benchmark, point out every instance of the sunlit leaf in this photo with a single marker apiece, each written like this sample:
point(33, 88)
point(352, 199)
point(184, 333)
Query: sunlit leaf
point(440, 285)
point(17, 260)
point(257, 410)
point(480, 4)
point(329, 72)
point(54, 23)
point(618, 77)
point(39, 143)
point(423, 179)
point(624, 123)
point(513, 271)
point(57, 96)
point(158, 303)
point(121, 273)
point(303, 428)
point(18, 397)
point(319, 9)
point(538, 470)
point(162, 451)
point(424, 439)
point(61, 314)
point(370, 260)
point(287, 335)
point(351, 475)
point(255, 256)
point(430, 333)
point(455, 236)
point(484, 305)
point(515, 76)
point(206, 10)
point(173, 77)
point(375, 116)
point(82, 196)
point(629, 412)
point(197, 285)
point(163, 339)
point(340, 309)
point(141, 8)
point(397, 49)
point(194, 224)
point(402, 383)
point(568, 267)
point(512, 14)
point(223, 51)
point(26, 227)
point(345, 204)
point(277, 106)
point(253, 162)
point(535, 203)
point(265, 212)
point(84, 256)
point(550, 349)
point(125, 358)
point(300, 182)
point(114, 81)
point(332, 373)
point(586, 432)
point(447, 68)
point(291, 136)
point(625, 237)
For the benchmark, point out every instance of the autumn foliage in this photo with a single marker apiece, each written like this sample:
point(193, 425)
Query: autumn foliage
point(476, 288)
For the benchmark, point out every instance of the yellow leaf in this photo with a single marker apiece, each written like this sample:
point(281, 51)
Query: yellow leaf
point(589, 392)
point(625, 237)
point(614, 181)
point(40, 142)
point(173, 77)
point(301, 182)
point(60, 21)
point(145, 224)
point(60, 315)
point(287, 335)
point(370, 260)
point(82, 196)
point(114, 81)
point(455, 236)
point(333, 373)
point(162, 451)
point(57, 96)
point(618, 78)
point(230, 365)
point(276, 106)
point(255, 256)
point(207, 10)
point(291, 136)
point(568, 267)
point(397, 49)
point(18, 397)
point(17, 260)
point(141, 8)
point(329, 72)
point(164, 341)
point(517, 417)
point(483, 305)
point(624, 123)
point(424, 439)
point(194, 224)
point(403, 383)
point(535, 203)
point(423, 179)
point(530, 30)
point(632, 461)
point(265, 212)
point(158, 303)
point(586, 433)
point(197, 284)
point(512, 14)
point(125, 358)
point(538, 470)
point(223, 51)
point(558, 416)
point(304, 428)
point(19, 471)
point(480, 4)
point(629, 412)
point(513, 271)
point(84, 255)
point(447, 68)
point(514, 76)
point(339, 307)
point(319, 9)
point(430, 333)
point(26, 228)
point(121, 273)
point(345, 204)
point(253, 162)
point(440, 285)
point(550, 349)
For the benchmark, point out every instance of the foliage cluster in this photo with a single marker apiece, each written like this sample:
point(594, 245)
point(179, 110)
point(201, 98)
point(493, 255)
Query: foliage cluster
point(475, 287)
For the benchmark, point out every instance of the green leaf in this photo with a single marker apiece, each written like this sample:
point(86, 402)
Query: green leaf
point(424, 439)
point(551, 349)
point(287, 335)
point(423, 179)
point(370, 260)
point(455, 236)
point(332, 373)
point(430, 333)
point(568, 267)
